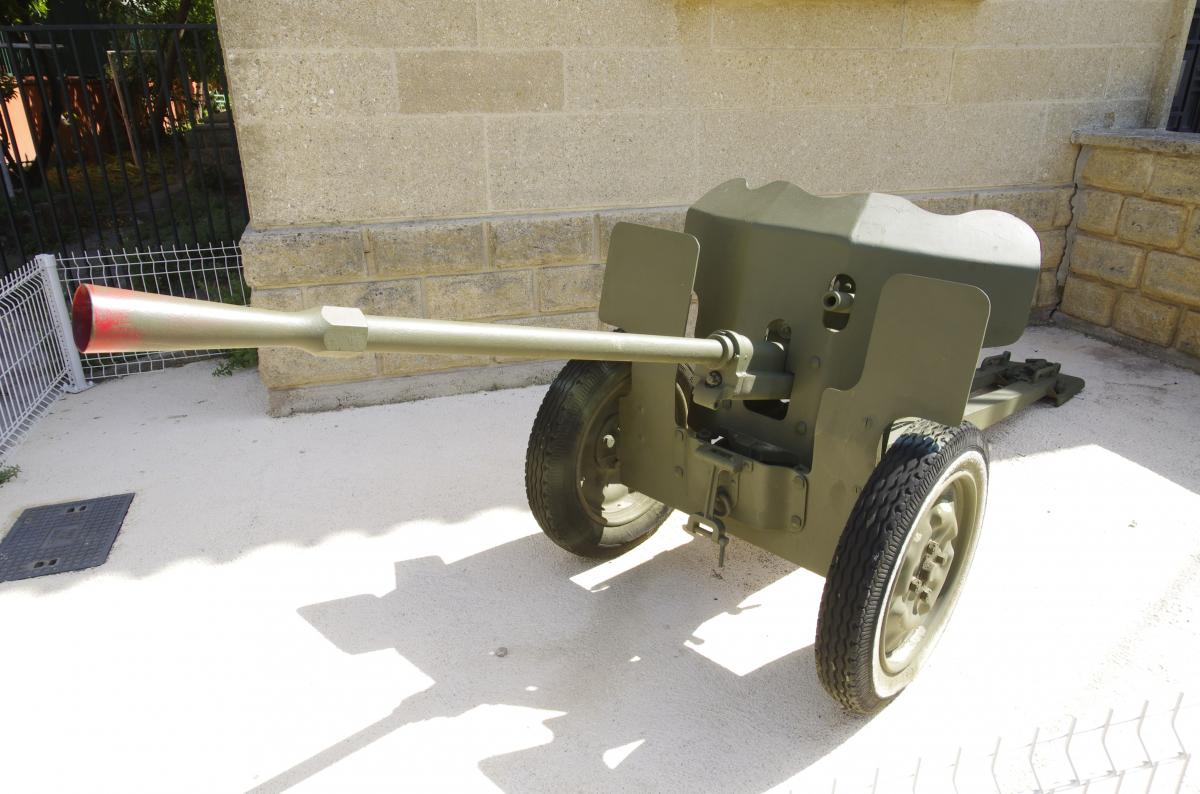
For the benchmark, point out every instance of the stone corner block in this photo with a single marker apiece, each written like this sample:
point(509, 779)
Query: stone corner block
point(1191, 236)
point(1152, 223)
point(292, 257)
point(1176, 178)
point(1097, 210)
point(1145, 319)
point(1106, 260)
point(1189, 334)
point(1117, 169)
point(1172, 277)
point(1089, 301)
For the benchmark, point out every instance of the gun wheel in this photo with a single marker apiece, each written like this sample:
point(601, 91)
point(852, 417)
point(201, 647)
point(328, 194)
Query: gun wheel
point(573, 470)
point(900, 564)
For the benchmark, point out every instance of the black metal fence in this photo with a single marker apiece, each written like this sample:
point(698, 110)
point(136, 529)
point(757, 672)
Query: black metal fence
point(115, 136)
point(1185, 110)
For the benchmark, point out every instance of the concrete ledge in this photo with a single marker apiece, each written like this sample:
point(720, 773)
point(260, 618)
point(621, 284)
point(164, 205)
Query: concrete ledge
point(332, 396)
point(1156, 141)
point(1166, 354)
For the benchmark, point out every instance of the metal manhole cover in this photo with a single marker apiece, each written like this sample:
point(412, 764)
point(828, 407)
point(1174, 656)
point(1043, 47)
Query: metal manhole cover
point(65, 537)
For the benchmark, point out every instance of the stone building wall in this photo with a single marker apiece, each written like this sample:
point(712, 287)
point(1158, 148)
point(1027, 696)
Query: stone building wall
point(466, 158)
point(1134, 263)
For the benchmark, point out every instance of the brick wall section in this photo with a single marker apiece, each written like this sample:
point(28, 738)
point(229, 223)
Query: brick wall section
point(465, 158)
point(1134, 262)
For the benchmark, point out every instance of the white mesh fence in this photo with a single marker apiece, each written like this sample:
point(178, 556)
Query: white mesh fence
point(211, 271)
point(37, 360)
point(1138, 749)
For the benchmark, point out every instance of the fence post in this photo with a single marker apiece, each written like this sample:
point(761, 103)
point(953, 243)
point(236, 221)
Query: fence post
point(62, 323)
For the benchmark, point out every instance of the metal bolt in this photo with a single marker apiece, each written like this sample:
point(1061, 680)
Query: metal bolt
point(924, 601)
point(801, 428)
point(797, 522)
point(713, 378)
point(608, 440)
point(678, 471)
point(815, 362)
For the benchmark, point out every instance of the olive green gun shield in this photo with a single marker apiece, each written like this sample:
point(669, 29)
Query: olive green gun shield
point(648, 282)
point(648, 279)
point(920, 363)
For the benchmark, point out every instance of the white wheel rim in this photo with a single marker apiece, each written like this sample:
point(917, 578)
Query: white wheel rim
point(896, 660)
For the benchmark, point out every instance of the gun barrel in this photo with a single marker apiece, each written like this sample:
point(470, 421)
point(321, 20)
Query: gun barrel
point(110, 320)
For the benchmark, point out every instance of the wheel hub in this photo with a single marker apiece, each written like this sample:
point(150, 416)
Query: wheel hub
point(926, 571)
point(608, 500)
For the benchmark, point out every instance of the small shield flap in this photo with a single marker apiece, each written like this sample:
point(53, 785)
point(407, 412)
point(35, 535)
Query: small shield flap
point(648, 279)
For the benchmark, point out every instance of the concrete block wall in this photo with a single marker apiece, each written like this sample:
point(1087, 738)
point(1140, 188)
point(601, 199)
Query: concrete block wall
point(1133, 268)
point(465, 158)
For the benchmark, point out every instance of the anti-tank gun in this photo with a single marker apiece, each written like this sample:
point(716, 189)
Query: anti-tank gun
point(828, 407)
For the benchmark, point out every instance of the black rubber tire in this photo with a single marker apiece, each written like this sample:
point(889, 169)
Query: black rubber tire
point(870, 547)
point(578, 392)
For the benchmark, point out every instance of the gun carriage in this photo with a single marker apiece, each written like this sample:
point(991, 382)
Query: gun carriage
point(828, 407)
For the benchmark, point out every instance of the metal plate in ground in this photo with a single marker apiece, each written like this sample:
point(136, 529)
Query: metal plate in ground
point(65, 537)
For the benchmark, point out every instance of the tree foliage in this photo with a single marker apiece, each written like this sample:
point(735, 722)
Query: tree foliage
point(121, 12)
point(134, 12)
point(23, 12)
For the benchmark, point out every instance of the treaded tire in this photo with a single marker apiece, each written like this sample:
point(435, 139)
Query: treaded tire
point(577, 395)
point(903, 487)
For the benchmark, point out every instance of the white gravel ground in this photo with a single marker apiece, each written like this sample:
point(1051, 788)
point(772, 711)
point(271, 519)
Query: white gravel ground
point(320, 601)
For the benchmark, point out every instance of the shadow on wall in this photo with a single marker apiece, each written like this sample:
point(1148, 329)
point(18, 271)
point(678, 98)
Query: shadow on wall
point(737, 733)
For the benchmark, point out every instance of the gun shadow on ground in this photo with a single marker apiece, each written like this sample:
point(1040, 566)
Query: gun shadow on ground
point(614, 661)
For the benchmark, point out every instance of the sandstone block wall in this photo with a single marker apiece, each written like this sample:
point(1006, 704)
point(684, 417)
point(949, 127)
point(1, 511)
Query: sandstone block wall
point(1134, 262)
point(466, 158)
